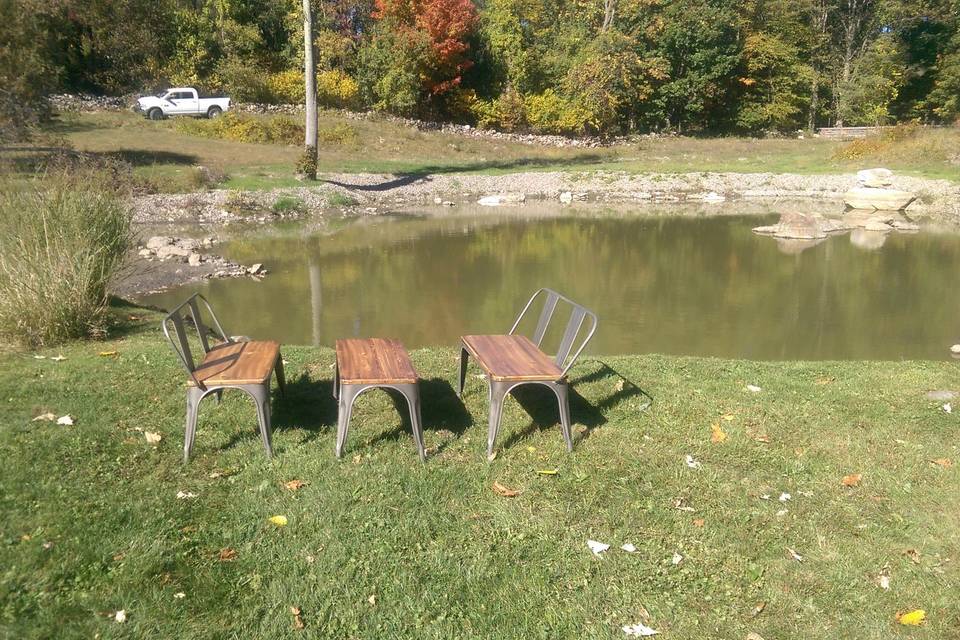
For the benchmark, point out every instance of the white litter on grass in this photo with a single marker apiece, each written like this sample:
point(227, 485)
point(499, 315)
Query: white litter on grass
point(793, 554)
point(180, 595)
point(151, 437)
point(597, 547)
point(677, 558)
point(784, 497)
point(691, 462)
point(48, 417)
point(65, 421)
point(39, 357)
point(185, 495)
point(783, 512)
point(752, 388)
point(58, 358)
point(765, 496)
point(120, 616)
point(947, 408)
point(629, 548)
point(806, 494)
point(639, 630)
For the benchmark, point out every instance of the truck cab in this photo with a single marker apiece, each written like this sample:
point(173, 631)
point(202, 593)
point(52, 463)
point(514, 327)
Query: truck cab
point(181, 101)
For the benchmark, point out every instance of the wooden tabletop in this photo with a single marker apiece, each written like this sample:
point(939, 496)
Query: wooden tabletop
point(374, 361)
point(238, 363)
point(512, 358)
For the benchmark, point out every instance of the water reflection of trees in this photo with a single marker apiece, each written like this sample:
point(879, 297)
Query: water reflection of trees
point(699, 286)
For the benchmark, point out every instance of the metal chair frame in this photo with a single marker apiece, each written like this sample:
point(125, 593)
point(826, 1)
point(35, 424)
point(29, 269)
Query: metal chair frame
point(498, 390)
point(259, 393)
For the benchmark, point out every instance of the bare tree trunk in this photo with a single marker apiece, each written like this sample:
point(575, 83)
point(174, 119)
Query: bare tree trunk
point(309, 165)
point(609, 13)
point(820, 20)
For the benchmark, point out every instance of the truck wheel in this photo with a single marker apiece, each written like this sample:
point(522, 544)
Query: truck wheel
point(214, 112)
point(155, 114)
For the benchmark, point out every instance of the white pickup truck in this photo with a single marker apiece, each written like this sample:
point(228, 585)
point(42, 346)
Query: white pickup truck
point(181, 101)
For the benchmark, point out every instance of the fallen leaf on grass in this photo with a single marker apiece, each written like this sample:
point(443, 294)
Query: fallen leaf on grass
point(691, 462)
point(913, 618)
point(727, 416)
point(619, 386)
point(698, 522)
point(65, 421)
point(506, 492)
point(297, 620)
point(37, 356)
point(108, 354)
point(295, 485)
point(784, 497)
point(372, 599)
point(547, 472)
point(762, 437)
point(758, 609)
point(753, 635)
point(639, 630)
point(179, 595)
point(717, 434)
point(883, 578)
point(913, 554)
point(597, 547)
point(680, 504)
point(752, 388)
point(224, 473)
point(59, 358)
point(946, 463)
point(793, 554)
point(48, 417)
point(677, 558)
point(185, 495)
point(824, 380)
point(227, 554)
point(629, 547)
point(120, 616)
point(280, 521)
point(152, 437)
point(852, 480)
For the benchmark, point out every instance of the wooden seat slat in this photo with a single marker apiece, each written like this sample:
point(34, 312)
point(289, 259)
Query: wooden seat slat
point(512, 358)
point(374, 361)
point(238, 363)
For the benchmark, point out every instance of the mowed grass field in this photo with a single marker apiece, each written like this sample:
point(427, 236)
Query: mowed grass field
point(166, 156)
point(379, 545)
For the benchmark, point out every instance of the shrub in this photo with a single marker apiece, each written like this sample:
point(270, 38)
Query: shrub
point(307, 163)
point(507, 113)
point(337, 199)
point(550, 113)
point(62, 240)
point(244, 82)
point(335, 89)
point(287, 87)
point(289, 204)
point(243, 128)
point(339, 134)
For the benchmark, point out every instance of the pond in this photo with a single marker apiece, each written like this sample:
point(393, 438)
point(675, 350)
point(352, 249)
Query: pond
point(694, 285)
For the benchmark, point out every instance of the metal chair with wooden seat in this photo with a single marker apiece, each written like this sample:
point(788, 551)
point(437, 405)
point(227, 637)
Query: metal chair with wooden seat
point(229, 364)
point(511, 360)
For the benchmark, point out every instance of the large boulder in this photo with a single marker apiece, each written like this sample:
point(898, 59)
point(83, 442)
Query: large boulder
point(876, 178)
point(796, 226)
point(159, 241)
point(870, 198)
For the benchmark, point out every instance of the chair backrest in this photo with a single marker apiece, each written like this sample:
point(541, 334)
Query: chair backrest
point(190, 309)
point(578, 313)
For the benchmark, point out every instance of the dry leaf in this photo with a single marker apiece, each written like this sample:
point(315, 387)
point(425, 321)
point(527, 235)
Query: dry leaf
point(185, 495)
point(179, 595)
point(280, 521)
point(762, 437)
point(913, 554)
point(108, 354)
point(946, 463)
point(852, 480)
point(824, 380)
point(793, 554)
point(727, 416)
point(297, 620)
point(221, 473)
point(227, 554)
point(698, 522)
point(680, 504)
point(677, 558)
point(152, 437)
point(58, 358)
point(629, 547)
point(758, 609)
point(619, 385)
point(913, 618)
point(547, 472)
point(753, 635)
point(784, 497)
point(120, 616)
point(65, 421)
point(717, 434)
point(883, 578)
point(691, 462)
point(48, 417)
point(295, 485)
point(372, 599)
point(597, 547)
point(506, 492)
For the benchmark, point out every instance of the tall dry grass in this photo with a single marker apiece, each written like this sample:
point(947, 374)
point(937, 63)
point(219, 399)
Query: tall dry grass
point(62, 238)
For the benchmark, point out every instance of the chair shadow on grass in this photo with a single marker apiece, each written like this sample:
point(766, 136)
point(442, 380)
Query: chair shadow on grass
point(541, 404)
point(440, 409)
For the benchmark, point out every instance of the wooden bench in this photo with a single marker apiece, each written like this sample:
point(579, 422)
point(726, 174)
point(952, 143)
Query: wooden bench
point(512, 360)
point(247, 366)
point(374, 363)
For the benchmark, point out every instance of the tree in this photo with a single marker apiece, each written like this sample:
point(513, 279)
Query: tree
point(25, 73)
point(308, 166)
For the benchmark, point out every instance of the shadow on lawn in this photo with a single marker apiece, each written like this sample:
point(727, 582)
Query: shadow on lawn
point(440, 409)
point(424, 173)
point(27, 160)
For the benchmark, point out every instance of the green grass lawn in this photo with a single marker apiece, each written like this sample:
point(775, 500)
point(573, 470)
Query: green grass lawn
point(166, 156)
point(379, 545)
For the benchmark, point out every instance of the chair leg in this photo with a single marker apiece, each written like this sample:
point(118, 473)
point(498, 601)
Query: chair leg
point(348, 392)
point(194, 395)
point(464, 358)
point(412, 393)
point(281, 378)
point(336, 381)
point(498, 392)
point(261, 396)
point(563, 397)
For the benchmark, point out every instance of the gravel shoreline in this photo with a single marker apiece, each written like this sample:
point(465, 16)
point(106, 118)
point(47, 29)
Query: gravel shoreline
point(373, 192)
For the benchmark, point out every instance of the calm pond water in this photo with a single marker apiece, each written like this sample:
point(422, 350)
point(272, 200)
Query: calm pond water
point(660, 284)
